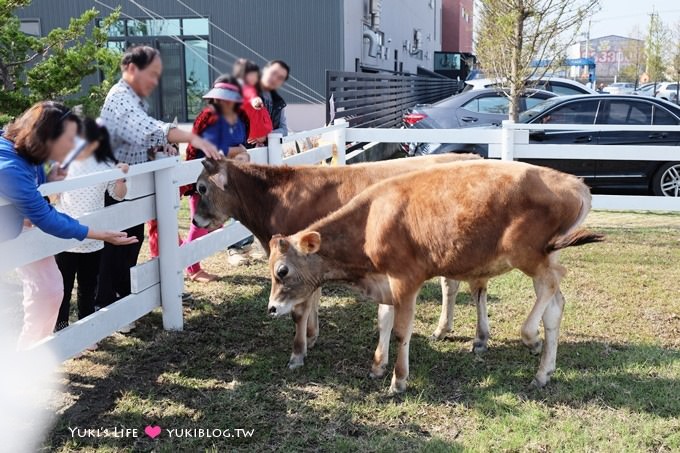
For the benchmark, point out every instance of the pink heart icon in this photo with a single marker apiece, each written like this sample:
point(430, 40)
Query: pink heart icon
point(152, 431)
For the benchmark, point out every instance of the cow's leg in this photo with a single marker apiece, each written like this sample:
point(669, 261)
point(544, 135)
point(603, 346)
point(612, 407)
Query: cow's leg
point(381, 356)
point(404, 308)
point(449, 292)
point(313, 319)
point(478, 291)
point(551, 327)
point(300, 316)
point(546, 284)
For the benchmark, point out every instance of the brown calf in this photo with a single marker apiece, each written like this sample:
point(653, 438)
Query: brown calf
point(466, 221)
point(282, 200)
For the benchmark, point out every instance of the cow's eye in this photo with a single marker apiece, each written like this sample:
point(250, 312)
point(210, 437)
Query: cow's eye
point(201, 189)
point(282, 271)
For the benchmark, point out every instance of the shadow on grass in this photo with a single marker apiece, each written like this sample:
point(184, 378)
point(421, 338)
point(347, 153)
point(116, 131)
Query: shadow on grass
point(227, 370)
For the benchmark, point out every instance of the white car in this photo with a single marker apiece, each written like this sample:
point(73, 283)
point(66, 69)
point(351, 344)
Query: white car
point(557, 85)
point(668, 91)
point(619, 88)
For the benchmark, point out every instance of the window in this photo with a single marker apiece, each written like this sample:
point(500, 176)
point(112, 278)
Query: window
point(672, 87)
point(489, 104)
point(532, 101)
point(30, 27)
point(580, 112)
point(117, 29)
point(192, 27)
point(663, 117)
point(564, 90)
point(197, 75)
point(165, 27)
point(623, 112)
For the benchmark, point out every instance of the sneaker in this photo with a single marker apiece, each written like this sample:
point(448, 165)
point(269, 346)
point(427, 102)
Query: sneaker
point(186, 297)
point(127, 329)
point(236, 257)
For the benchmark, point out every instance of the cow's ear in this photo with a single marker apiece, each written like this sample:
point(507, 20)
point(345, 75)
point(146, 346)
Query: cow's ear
point(279, 242)
point(210, 165)
point(310, 242)
point(220, 179)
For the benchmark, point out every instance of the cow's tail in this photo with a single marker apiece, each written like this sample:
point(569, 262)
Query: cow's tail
point(573, 239)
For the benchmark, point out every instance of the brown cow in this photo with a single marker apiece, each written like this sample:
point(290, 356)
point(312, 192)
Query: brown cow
point(282, 200)
point(467, 221)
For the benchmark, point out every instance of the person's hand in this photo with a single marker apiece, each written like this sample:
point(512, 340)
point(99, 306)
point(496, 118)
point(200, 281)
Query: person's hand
point(113, 237)
point(257, 103)
point(28, 223)
point(257, 140)
point(208, 148)
point(124, 168)
point(56, 173)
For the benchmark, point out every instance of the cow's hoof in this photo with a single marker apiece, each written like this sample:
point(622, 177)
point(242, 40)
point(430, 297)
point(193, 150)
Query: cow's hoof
point(539, 382)
point(295, 362)
point(479, 348)
point(311, 341)
point(377, 372)
point(438, 335)
point(397, 386)
point(535, 348)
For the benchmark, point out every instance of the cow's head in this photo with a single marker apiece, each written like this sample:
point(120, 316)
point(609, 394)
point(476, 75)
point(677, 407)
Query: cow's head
point(215, 204)
point(295, 268)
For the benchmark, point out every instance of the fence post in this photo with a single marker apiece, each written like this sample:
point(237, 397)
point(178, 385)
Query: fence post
point(274, 149)
point(340, 139)
point(507, 141)
point(167, 205)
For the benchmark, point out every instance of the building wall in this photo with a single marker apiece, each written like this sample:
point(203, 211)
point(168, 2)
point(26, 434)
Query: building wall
point(305, 33)
point(457, 25)
point(398, 20)
point(612, 54)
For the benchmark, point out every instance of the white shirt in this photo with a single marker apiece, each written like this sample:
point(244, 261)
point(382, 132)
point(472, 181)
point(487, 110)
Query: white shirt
point(131, 128)
point(77, 203)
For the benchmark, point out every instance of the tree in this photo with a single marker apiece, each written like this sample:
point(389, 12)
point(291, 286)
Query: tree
point(634, 55)
point(675, 60)
point(520, 39)
point(655, 48)
point(52, 67)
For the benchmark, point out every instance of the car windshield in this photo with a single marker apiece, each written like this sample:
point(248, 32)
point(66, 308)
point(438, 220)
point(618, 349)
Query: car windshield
point(533, 112)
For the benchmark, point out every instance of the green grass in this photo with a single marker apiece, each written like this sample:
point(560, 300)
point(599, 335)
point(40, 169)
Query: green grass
point(617, 386)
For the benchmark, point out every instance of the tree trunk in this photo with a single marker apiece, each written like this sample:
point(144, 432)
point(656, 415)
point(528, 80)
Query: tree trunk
point(517, 75)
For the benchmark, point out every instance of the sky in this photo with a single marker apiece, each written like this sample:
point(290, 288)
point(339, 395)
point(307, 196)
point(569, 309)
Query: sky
point(619, 17)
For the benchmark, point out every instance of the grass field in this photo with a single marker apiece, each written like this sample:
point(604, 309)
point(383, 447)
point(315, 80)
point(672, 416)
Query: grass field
point(617, 385)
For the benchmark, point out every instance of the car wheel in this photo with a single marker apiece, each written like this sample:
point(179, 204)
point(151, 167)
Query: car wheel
point(666, 182)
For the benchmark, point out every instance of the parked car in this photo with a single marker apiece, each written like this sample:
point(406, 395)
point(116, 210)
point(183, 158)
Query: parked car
point(557, 85)
point(473, 108)
point(646, 89)
point(667, 91)
point(619, 88)
point(659, 178)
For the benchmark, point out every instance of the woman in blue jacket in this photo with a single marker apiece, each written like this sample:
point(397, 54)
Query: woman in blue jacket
point(45, 132)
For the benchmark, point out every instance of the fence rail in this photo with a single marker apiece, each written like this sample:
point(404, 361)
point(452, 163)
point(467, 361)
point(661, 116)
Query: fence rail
point(154, 194)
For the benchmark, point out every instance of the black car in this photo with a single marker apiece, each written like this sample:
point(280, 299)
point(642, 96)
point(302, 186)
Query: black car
point(484, 107)
point(659, 178)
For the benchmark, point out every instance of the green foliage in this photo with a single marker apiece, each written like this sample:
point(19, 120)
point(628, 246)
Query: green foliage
point(655, 48)
point(53, 67)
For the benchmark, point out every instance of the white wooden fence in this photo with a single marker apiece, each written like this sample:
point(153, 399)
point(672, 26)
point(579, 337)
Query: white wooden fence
point(153, 193)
